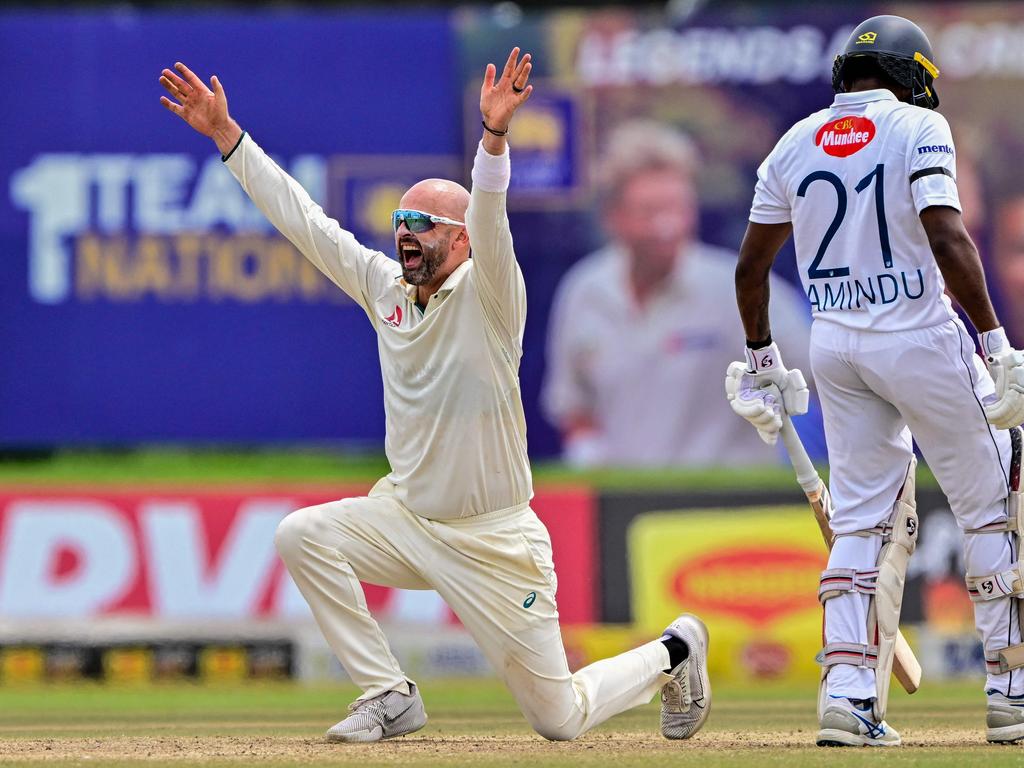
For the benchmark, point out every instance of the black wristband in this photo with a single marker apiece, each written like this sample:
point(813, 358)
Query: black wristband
point(492, 131)
point(759, 344)
point(224, 158)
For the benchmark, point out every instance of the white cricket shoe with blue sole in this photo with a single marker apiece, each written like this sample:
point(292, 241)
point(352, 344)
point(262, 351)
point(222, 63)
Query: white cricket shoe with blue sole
point(385, 716)
point(845, 724)
point(686, 698)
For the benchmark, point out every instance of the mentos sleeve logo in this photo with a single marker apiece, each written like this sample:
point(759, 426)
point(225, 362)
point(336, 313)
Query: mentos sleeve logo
point(843, 137)
point(943, 149)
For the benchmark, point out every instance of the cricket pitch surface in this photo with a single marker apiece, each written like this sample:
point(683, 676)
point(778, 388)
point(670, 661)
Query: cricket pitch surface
point(472, 723)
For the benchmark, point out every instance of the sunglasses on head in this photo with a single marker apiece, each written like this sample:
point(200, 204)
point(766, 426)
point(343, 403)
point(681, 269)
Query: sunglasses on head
point(418, 221)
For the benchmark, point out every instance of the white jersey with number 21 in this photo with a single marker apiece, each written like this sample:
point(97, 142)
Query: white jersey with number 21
point(853, 180)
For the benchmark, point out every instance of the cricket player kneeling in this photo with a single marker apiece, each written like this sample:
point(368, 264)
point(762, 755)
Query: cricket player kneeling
point(867, 188)
point(454, 513)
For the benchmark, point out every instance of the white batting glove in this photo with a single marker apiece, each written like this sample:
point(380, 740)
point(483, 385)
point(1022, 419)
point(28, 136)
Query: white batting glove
point(761, 406)
point(763, 391)
point(1004, 409)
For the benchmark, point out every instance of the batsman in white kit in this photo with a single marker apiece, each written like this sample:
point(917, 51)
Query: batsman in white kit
point(454, 513)
point(868, 189)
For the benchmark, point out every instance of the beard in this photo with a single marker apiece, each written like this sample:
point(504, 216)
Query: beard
point(420, 265)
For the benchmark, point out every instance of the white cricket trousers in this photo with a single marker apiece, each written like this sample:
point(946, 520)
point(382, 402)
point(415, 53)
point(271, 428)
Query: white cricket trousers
point(877, 390)
point(495, 572)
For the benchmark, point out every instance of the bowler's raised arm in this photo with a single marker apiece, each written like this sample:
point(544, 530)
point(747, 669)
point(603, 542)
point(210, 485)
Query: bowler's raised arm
point(356, 270)
point(204, 109)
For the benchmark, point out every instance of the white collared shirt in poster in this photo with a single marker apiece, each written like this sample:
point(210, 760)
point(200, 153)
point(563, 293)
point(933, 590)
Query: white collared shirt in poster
point(651, 376)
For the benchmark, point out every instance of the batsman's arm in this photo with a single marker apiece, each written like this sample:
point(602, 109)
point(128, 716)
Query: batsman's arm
point(761, 243)
point(958, 260)
point(358, 271)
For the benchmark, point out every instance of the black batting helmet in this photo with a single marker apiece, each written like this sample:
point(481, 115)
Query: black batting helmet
point(901, 50)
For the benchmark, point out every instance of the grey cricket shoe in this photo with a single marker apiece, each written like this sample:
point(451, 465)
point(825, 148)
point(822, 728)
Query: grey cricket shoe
point(1005, 719)
point(843, 724)
point(385, 716)
point(686, 698)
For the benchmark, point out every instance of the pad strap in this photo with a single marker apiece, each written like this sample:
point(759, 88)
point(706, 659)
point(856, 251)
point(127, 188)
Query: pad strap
point(1005, 659)
point(1009, 525)
point(1008, 583)
point(884, 529)
point(856, 654)
point(837, 581)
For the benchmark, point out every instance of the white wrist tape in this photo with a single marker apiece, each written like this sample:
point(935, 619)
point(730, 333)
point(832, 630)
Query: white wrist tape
point(764, 359)
point(994, 342)
point(491, 173)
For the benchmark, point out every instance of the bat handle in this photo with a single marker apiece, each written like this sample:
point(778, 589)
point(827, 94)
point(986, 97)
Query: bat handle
point(806, 474)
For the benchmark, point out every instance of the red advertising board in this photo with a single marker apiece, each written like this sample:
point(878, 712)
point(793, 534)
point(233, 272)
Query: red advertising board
point(209, 554)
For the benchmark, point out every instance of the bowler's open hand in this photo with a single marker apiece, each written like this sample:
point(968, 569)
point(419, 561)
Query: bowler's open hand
point(501, 97)
point(204, 109)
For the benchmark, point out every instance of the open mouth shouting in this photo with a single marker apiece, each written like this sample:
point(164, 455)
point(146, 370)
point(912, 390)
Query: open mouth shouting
point(410, 253)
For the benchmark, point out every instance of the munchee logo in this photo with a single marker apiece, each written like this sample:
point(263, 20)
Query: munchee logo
point(843, 137)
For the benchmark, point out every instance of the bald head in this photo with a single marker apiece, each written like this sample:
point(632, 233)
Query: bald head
point(440, 197)
point(429, 256)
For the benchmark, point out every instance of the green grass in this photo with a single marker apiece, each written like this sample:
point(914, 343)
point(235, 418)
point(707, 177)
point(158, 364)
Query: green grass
point(317, 465)
point(472, 722)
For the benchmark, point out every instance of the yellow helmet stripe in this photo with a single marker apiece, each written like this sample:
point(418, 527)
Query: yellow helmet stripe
point(921, 59)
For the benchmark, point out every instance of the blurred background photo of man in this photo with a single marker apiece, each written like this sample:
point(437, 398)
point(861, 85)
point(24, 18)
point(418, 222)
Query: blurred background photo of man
point(639, 326)
point(1007, 267)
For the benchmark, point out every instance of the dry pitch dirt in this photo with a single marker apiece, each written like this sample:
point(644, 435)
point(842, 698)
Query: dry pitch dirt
point(602, 748)
point(473, 723)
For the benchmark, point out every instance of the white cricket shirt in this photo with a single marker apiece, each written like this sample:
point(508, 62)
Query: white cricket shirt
point(455, 429)
point(853, 180)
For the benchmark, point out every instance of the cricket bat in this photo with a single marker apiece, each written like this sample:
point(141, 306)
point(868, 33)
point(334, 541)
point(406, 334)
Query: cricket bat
point(905, 666)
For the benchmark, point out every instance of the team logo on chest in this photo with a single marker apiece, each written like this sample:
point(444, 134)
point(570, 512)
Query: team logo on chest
point(843, 137)
point(394, 319)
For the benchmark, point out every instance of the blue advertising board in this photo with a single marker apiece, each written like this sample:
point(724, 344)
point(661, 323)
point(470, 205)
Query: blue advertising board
point(142, 296)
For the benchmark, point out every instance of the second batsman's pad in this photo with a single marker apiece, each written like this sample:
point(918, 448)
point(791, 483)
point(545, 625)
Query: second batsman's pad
point(1008, 583)
point(884, 586)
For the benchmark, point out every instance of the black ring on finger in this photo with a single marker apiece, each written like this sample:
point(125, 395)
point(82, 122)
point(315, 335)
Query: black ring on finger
point(517, 90)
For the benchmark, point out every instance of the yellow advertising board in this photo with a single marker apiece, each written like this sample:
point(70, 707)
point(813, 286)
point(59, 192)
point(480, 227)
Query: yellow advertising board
point(128, 665)
point(751, 575)
point(22, 665)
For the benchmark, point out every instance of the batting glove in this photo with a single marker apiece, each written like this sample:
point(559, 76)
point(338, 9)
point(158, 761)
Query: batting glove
point(762, 390)
point(1005, 408)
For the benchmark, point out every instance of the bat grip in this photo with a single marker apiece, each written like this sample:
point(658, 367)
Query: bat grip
point(806, 474)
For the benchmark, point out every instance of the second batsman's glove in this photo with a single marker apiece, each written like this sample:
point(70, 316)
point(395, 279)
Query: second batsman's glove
point(762, 390)
point(1004, 409)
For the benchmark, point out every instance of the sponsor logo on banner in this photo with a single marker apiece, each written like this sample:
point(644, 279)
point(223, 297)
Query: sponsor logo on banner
point(714, 581)
point(845, 136)
point(625, 50)
point(126, 227)
point(210, 555)
point(759, 600)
